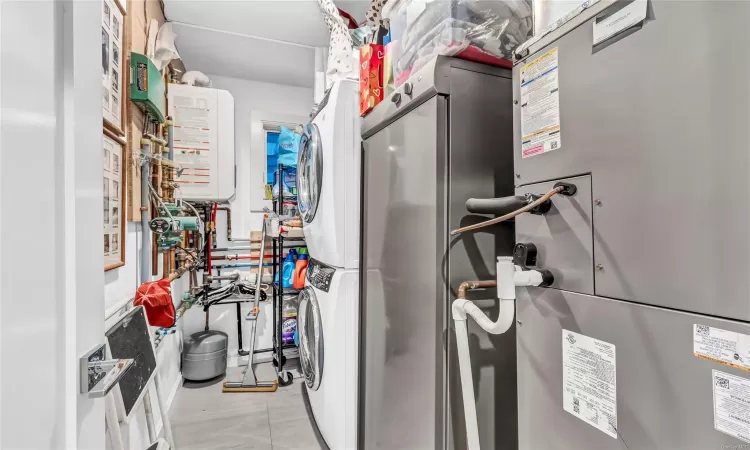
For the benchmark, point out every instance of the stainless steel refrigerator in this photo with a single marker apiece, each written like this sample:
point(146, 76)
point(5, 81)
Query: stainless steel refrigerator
point(444, 136)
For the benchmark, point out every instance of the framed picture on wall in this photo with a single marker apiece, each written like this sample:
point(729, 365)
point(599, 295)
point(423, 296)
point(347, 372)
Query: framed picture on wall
point(113, 188)
point(113, 66)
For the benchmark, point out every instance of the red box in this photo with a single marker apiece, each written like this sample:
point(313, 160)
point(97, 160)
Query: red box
point(370, 77)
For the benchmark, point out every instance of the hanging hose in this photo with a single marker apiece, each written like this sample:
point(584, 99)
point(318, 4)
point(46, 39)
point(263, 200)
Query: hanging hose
point(503, 218)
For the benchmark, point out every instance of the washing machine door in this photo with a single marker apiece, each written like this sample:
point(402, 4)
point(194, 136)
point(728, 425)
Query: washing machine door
point(310, 172)
point(310, 338)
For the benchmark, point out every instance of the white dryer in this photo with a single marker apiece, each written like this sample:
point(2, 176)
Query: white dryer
point(329, 178)
point(328, 322)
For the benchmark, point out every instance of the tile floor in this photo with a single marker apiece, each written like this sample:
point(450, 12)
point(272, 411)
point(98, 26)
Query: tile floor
point(203, 417)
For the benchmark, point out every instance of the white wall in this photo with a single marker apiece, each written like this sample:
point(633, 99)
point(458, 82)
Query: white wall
point(121, 283)
point(50, 207)
point(253, 100)
point(256, 97)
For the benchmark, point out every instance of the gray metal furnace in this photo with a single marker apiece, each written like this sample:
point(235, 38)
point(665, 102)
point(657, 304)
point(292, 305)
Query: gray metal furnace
point(643, 342)
point(441, 138)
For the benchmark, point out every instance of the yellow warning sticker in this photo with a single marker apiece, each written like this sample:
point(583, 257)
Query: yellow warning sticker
point(540, 106)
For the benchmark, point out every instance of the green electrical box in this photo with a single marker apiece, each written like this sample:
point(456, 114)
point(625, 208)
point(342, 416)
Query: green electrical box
point(147, 88)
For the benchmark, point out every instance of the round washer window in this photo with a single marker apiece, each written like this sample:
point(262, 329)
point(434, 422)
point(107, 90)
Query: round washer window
point(310, 338)
point(310, 172)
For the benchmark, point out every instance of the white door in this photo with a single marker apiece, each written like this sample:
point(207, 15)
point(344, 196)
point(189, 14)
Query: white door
point(51, 261)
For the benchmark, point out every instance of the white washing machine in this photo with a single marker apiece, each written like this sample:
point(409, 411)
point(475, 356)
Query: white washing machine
point(328, 323)
point(329, 178)
point(328, 185)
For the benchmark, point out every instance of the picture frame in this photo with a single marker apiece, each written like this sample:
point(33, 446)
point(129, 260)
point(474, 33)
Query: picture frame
point(114, 176)
point(114, 72)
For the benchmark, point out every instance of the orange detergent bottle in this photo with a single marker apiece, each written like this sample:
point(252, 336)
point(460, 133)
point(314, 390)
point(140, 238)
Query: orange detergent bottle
point(300, 269)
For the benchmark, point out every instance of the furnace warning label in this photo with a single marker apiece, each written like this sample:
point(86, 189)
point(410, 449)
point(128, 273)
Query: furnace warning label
point(732, 405)
point(722, 346)
point(590, 381)
point(540, 106)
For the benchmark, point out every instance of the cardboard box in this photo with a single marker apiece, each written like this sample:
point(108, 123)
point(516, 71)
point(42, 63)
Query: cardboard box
point(371, 67)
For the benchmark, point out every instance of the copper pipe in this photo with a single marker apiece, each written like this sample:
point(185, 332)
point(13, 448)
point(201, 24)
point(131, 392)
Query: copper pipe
point(466, 286)
point(179, 272)
point(165, 264)
point(513, 214)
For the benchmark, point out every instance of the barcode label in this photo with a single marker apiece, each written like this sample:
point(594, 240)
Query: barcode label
point(722, 346)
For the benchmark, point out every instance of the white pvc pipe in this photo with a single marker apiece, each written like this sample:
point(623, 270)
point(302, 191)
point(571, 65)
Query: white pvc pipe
point(506, 270)
point(467, 384)
point(504, 318)
point(507, 280)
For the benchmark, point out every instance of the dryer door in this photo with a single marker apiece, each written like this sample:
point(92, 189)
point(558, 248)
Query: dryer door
point(310, 172)
point(310, 338)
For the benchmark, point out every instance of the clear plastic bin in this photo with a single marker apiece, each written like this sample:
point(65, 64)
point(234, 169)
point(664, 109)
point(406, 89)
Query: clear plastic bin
point(423, 29)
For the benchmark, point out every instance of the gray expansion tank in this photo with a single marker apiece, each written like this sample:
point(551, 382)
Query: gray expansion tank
point(204, 355)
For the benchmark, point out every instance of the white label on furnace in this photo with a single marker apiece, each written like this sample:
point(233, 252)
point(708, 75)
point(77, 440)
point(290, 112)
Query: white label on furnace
point(732, 405)
point(540, 106)
point(722, 346)
point(621, 20)
point(590, 381)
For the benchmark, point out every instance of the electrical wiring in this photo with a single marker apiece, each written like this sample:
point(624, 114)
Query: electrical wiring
point(200, 221)
point(513, 214)
point(159, 202)
point(236, 289)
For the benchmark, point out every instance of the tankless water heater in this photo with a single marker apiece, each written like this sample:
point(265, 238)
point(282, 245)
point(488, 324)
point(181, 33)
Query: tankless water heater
point(203, 142)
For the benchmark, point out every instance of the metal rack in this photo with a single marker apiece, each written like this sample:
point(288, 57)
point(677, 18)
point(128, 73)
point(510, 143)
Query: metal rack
point(279, 354)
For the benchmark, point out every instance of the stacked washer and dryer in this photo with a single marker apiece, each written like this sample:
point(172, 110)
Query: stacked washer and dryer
point(329, 198)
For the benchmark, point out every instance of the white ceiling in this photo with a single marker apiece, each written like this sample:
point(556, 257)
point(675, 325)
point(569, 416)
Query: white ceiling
point(263, 40)
point(238, 56)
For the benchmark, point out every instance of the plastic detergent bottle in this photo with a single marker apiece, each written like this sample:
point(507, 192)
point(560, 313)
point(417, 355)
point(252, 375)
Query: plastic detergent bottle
point(300, 268)
point(288, 320)
point(287, 271)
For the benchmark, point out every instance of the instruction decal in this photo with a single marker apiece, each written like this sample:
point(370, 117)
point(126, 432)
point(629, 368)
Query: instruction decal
point(540, 106)
point(722, 346)
point(621, 20)
point(732, 405)
point(590, 381)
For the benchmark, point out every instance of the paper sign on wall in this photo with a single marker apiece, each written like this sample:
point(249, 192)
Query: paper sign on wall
point(621, 20)
point(732, 405)
point(590, 381)
point(540, 106)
